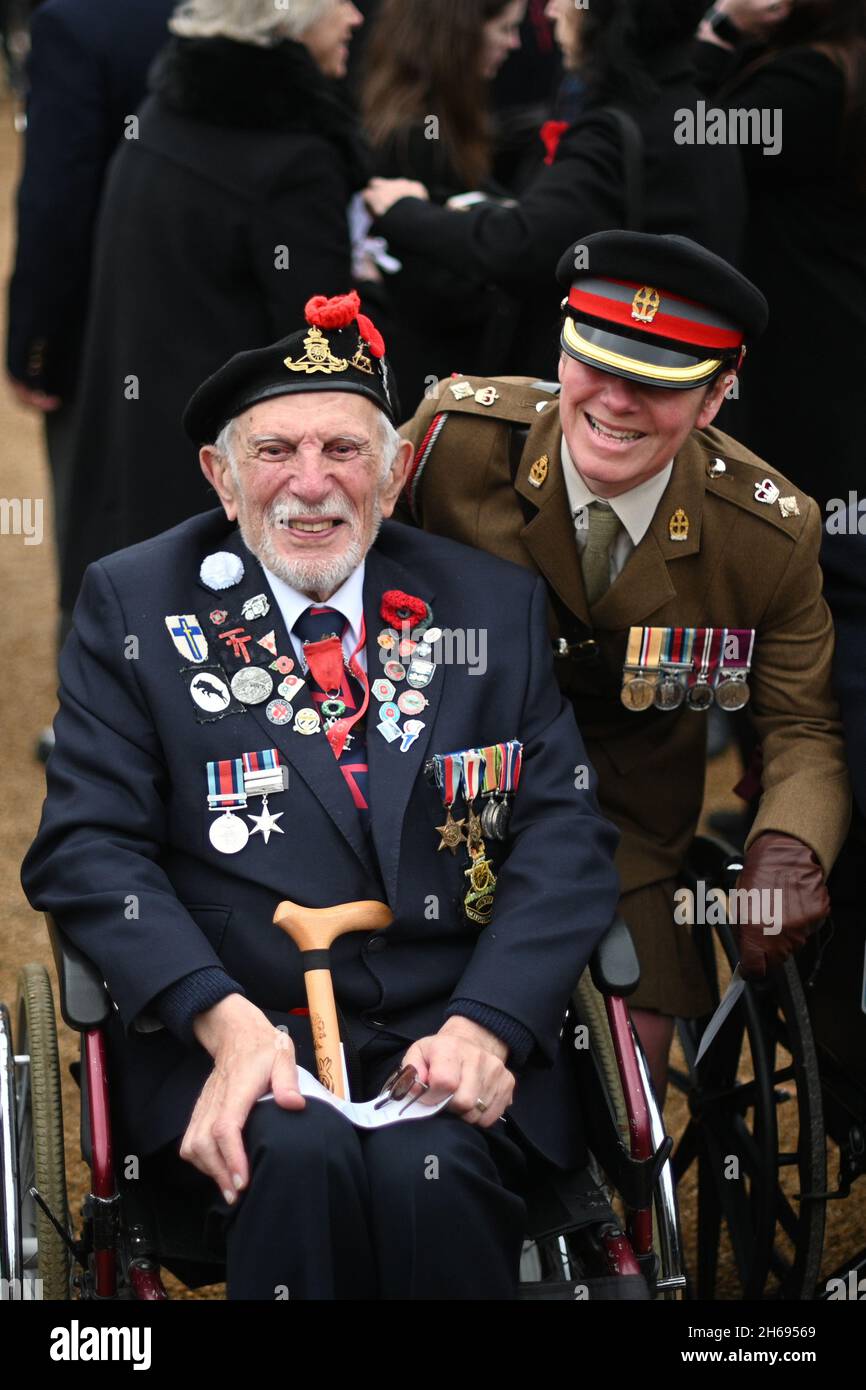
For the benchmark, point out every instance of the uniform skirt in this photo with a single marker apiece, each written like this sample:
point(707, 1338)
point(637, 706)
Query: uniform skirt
point(671, 978)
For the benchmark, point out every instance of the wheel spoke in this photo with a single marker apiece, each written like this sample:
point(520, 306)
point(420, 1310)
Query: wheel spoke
point(687, 1150)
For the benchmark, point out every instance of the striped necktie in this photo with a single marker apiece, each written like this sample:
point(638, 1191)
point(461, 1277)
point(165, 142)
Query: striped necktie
point(315, 624)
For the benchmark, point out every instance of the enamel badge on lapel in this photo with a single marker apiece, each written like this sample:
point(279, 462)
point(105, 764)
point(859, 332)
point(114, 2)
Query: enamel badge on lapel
point(412, 617)
point(187, 636)
point(538, 472)
point(461, 390)
point(766, 492)
point(222, 570)
point(717, 469)
point(486, 395)
point(256, 607)
point(678, 526)
point(788, 507)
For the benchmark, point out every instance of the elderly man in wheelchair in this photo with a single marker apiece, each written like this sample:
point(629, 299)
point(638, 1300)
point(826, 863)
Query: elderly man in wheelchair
point(298, 650)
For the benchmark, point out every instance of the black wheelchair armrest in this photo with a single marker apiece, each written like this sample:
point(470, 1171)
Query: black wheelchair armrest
point(614, 965)
point(84, 999)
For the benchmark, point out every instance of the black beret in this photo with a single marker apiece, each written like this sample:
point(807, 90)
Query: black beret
point(339, 350)
point(661, 310)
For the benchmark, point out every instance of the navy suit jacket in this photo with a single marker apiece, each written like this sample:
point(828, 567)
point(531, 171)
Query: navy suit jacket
point(124, 863)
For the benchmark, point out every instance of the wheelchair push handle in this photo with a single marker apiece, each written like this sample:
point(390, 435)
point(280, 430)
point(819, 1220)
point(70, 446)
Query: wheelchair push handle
point(313, 929)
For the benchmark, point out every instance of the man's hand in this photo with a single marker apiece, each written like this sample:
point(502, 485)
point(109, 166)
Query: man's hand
point(794, 899)
point(464, 1059)
point(36, 400)
point(755, 19)
point(380, 195)
point(251, 1057)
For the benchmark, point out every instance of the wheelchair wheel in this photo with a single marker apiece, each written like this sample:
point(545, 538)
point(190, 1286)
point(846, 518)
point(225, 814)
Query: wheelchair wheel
point(755, 1137)
point(40, 1135)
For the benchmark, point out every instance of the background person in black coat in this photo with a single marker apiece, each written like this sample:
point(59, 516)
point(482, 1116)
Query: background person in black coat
point(86, 72)
point(805, 243)
point(409, 81)
point(218, 222)
point(637, 58)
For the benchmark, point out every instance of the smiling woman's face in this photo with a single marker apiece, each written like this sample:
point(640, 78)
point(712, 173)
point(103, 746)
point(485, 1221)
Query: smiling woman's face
point(621, 433)
point(304, 483)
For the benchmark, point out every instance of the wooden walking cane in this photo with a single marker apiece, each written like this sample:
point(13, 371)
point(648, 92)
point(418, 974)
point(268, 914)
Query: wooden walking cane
point(313, 929)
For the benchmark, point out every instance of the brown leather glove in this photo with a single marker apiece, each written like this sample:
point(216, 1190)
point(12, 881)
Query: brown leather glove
point(795, 880)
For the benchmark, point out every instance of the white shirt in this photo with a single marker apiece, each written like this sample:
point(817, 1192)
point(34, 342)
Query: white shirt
point(349, 599)
point(635, 509)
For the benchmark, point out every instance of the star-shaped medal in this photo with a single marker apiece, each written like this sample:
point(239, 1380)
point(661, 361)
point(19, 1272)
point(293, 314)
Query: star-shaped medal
point(452, 834)
point(266, 823)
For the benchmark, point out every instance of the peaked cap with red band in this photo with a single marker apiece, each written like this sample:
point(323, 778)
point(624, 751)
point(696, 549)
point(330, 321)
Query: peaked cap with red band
point(339, 350)
point(660, 310)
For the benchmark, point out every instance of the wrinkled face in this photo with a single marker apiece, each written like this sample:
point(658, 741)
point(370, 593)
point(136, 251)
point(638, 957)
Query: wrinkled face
point(304, 482)
point(567, 20)
point(329, 38)
point(501, 36)
point(621, 433)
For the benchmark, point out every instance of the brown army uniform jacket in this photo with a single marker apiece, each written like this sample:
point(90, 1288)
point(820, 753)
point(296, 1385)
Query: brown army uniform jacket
point(742, 565)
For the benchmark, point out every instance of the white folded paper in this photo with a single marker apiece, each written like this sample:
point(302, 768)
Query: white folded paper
point(363, 1114)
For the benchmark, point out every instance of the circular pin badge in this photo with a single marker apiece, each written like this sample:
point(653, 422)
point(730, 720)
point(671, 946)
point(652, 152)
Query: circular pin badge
point(412, 701)
point(279, 712)
point(638, 694)
point(222, 570)
point(210, 692)
point(333, 709)
point(382, 690)
point(307, 721)
point(406, 648)
point(670, 693)
point(396, 670)
point(388, 639)
point(228, 833)
point(732, 695)
point(389, 712)
point(283, 664)
point(252, 685)
point(432, 635)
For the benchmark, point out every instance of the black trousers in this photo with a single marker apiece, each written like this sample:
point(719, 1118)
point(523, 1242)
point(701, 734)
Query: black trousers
point(425, 1210)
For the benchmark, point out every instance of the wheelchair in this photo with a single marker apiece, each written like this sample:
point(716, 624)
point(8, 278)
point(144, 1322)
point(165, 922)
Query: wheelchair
point(577, 1246)
point(786, 1072)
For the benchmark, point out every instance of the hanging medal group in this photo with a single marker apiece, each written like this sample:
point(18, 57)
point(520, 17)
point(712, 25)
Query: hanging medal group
point(494, 774)
point(667, 667)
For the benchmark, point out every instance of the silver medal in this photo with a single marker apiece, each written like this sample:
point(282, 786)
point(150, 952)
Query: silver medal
point(228, 833)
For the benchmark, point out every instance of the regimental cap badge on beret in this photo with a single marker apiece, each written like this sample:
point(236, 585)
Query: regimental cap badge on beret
point(340, 350)
point(659, 310)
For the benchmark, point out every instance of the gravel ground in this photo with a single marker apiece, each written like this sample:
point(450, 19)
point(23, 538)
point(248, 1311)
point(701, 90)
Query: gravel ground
point(27, 702)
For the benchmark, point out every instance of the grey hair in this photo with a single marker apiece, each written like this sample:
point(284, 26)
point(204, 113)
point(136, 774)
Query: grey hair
point(260, 22)
point(390, 442)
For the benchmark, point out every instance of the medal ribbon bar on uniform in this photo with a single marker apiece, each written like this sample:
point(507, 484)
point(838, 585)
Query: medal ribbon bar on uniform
point(264, 773)
point(225, 781)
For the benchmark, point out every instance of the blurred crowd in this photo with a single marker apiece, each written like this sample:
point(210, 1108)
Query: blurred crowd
point(193, 173)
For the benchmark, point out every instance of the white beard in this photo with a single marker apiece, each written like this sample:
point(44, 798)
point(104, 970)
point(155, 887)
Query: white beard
point(318, 578)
